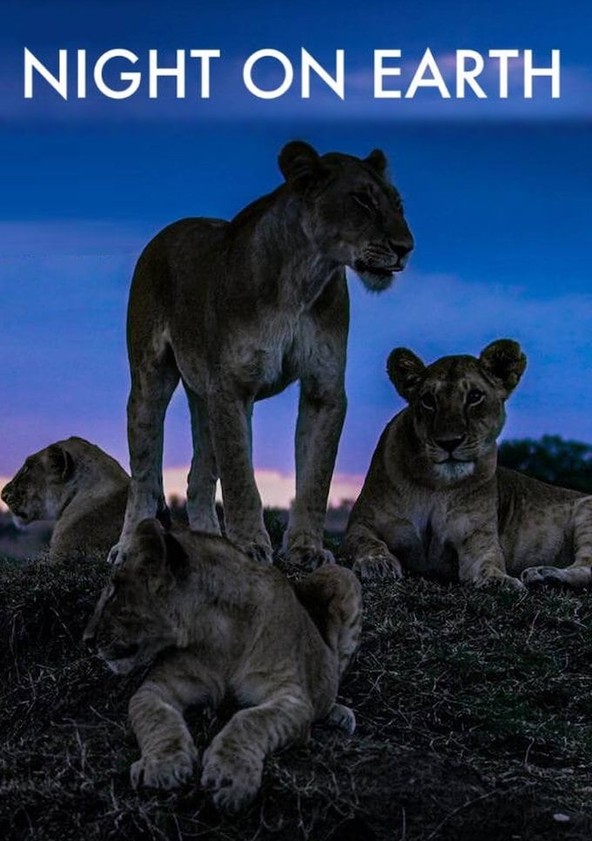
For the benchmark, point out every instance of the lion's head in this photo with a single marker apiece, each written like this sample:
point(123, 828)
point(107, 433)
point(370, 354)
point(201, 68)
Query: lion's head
point(49, 479)
point(353, 211)
point(37, 491)
point(135, 616)
point(457, 403)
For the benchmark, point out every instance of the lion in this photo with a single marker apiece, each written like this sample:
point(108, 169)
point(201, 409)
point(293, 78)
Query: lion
point(434, 500)
point(213, 622)
point(237, 311)
point(79, 486)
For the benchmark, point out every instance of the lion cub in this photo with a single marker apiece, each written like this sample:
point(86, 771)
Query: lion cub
point(216, 623)
point(79, 486)
point(434, 500)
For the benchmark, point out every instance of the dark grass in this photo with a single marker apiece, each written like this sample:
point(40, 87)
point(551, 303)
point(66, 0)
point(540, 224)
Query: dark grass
point(474, 722)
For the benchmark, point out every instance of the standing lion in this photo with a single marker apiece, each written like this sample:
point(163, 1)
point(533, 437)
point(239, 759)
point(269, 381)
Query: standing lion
point(238, 310)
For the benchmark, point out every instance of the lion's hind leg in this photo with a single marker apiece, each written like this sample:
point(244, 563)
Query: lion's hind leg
point(578, 574)
point(154, 379)
point(332, 596)
point(203, 475)
point(572, 576)
point(233, 763)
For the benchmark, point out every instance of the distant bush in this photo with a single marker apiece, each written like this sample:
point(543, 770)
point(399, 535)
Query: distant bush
point(551, 459)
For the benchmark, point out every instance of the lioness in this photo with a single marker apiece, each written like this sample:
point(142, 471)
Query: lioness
point(238, 310)
point(215, 622)
point(434, 500)
point(79, 486)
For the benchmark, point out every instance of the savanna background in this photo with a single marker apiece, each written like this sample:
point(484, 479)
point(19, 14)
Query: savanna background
point(473, 708)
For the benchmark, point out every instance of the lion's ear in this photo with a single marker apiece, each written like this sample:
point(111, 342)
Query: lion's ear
point(377, 160)
point(163, 559)
point(504, 361)
point(298, 161)
point(405, 371)
point(61, 462)
point(148, 542)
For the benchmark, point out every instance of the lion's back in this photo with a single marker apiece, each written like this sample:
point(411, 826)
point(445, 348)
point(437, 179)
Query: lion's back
point(535, 520)
point(171, 282)
point(92, 529)
point(258, 627)
point(175, 257)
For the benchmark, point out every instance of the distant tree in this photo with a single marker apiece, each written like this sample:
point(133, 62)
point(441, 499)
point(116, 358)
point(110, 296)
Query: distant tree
point(177, 508)
point(337, 516)
point(551, 459)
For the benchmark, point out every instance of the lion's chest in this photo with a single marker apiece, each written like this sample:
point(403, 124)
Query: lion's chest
point(267, 359)
point(429, 519)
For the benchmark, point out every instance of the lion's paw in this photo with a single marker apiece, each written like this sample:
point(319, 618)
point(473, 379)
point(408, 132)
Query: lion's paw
point(309, 558)
point(342, 717)
point(232, 779)
point(576, 577)
point(117, 554)
point(260, 552)
point(379, 565)
point(164, 772)
point(498, 580)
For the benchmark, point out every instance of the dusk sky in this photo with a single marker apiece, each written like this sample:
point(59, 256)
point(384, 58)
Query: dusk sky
point(497, 193)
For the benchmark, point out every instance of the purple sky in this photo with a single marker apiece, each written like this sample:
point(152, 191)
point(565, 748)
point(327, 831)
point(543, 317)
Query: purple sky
point(497, 194)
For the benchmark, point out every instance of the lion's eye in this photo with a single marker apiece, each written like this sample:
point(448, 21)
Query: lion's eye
point(364, 201)
point(474, 397)
point(428, 401)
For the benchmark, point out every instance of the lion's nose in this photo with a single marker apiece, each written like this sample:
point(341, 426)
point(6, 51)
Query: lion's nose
point(402, 248)
point(449, 444)
point(6, 495)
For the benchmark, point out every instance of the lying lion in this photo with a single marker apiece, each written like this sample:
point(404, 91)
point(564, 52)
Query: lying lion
point(434, 500)
point(223, 624)
point(79, 486)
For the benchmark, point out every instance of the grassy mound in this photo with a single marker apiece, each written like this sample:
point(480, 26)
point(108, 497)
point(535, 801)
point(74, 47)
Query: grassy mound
point(474, 717)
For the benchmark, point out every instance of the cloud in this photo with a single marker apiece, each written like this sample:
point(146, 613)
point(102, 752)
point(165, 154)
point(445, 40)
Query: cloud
point(26, 238)
point(277, 489)
point(65, 378)
point(435, 315)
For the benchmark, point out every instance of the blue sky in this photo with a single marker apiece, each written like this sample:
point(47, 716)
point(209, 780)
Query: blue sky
point(497, 193)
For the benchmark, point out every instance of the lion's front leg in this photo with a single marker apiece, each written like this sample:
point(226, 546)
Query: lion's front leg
point(168, 752)
point(230, 424)
point(371, 557)
point(320, 421)
point(169, 755)
point(233, 763)
point(481, 559)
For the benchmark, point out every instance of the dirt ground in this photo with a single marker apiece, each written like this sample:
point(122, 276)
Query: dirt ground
point(474, 714)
